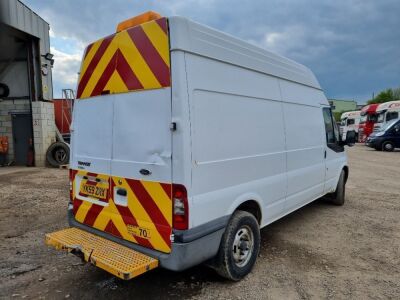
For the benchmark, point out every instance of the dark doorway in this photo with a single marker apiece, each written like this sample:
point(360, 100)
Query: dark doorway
point(22, 134)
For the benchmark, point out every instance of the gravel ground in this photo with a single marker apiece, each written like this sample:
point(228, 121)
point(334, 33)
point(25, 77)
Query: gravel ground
point(320, 251)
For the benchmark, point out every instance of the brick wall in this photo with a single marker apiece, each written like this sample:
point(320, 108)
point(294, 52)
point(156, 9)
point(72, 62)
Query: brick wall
point(44, 133)
point(7, 107)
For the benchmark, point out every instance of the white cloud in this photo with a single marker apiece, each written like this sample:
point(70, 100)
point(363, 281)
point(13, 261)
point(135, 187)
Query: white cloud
point(351, 45)
point(65, 70)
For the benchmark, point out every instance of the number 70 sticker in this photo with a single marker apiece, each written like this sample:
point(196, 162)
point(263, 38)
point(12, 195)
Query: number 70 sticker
point(139, 231)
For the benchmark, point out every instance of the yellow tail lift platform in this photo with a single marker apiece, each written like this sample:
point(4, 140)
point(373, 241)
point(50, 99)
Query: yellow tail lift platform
point(114, 258)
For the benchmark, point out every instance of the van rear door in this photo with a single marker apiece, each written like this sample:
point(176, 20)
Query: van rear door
point(121, 144)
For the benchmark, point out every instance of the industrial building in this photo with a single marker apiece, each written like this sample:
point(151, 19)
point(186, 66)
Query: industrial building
point(339, 106)
point(26, 92)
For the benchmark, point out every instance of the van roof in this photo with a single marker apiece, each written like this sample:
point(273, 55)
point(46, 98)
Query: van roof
point(192, 37)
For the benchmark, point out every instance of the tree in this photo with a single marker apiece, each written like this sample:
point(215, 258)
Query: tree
point(396, 93)
point(337, 115)
point(386, 95)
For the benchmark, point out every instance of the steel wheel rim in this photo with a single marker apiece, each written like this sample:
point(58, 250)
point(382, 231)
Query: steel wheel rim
point(60, 155)
point(388, 146)
point(243, 244)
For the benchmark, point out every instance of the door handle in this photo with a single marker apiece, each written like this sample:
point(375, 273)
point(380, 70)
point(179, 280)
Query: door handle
point(325, 153)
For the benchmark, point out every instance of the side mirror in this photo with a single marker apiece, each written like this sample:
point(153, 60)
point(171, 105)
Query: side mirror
point(350, 138)
point(397, 128)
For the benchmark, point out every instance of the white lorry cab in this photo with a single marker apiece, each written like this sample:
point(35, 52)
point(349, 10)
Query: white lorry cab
point(185, 142)
point(386, 112)
point(350, 121)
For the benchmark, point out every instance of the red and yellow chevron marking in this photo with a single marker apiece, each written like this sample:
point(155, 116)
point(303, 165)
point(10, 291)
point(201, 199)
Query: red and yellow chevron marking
point(133, 59)
point(145, 220)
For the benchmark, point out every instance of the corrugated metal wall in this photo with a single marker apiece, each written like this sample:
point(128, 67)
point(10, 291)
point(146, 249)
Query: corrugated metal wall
point(15, 14)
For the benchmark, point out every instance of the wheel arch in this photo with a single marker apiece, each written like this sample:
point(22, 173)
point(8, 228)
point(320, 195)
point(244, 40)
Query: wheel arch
point(346, 173)
point(249, 203)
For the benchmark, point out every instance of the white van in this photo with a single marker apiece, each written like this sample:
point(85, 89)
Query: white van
point(386, 112)
point(185, 142)
point(350, 121)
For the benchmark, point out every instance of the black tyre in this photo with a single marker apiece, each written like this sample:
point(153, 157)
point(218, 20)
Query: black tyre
point(239, 247)
point(58, 154)
point(4, 90)
point(388, 146)
point(339, 195)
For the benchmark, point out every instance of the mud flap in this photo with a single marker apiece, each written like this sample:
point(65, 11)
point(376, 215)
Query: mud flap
point(114, 258)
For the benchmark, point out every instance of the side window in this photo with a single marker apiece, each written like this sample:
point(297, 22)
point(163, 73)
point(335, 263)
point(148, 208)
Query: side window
point(392, 116)
point(329, 126)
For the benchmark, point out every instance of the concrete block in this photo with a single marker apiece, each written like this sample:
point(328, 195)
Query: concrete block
point(7, 124)
point(9, 107)
point(21, 107)
point(38, 148)
point(4, 118)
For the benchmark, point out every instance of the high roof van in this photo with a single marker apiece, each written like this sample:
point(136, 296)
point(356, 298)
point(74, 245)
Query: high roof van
point(185, 142)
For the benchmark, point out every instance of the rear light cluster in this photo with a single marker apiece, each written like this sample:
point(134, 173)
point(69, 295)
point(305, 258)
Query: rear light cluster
point(180, 219)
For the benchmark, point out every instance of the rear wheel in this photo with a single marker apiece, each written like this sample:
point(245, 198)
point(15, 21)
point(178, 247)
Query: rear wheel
point(239, 247)
point(388, 146)
point(338, 196)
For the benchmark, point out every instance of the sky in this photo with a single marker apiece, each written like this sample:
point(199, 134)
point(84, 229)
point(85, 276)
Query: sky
point(352, 46)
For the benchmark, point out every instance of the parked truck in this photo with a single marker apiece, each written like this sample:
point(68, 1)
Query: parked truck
point(185, 142)
point(386, 112)
point(349, 122)
point(367, 121)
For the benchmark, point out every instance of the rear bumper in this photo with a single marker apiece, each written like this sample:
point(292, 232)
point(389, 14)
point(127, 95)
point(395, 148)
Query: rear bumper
point(183, 254)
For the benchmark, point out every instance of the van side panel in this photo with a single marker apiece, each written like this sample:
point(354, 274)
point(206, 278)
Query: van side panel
point(238, 139)
point(305, 143)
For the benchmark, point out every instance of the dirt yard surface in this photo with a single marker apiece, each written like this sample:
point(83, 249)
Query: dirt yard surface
point(320, 251)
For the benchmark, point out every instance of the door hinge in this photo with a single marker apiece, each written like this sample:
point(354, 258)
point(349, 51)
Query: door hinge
point(172, 126)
